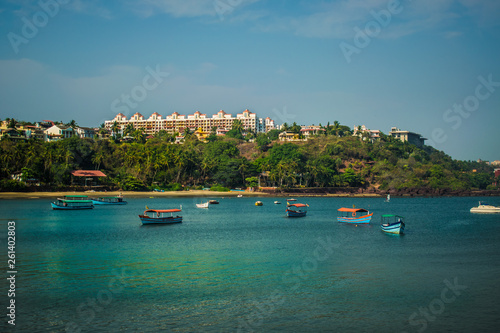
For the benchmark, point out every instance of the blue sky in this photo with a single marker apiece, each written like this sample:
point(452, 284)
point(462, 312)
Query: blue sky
point(428, 66)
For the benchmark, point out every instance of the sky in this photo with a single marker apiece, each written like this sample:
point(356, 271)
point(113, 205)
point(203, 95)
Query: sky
point(427, 66)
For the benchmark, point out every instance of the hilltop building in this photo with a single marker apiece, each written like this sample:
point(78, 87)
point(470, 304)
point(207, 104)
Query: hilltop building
point(308, 131)
point(57, 132)
point(407, 136)
point(371, 134)
point(45, 130)
point(177, 123)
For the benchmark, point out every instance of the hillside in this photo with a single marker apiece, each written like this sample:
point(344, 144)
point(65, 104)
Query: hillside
point(322, 162)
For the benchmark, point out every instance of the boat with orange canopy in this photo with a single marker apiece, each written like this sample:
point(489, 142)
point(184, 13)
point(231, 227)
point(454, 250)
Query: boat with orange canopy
point(354, 215)
point(296, 210)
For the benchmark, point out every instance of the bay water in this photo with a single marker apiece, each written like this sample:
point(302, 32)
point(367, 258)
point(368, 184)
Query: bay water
point(239, 267)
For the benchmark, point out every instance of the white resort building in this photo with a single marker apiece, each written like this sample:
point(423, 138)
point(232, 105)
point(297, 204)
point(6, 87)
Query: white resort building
point(177, 123)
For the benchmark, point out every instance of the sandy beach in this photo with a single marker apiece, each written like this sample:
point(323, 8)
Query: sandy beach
point(191, 193)
point(129, 194)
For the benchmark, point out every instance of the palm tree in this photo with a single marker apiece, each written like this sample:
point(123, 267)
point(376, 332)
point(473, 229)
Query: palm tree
point(11, 123)
point(187, 132)
point(139, 135)
point(114, 128)
point(237, 126)
point(98, 158)
point(129, 129)
point(336, 126)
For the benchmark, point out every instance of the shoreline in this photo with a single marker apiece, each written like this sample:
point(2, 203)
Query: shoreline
point(207, 194)
point(128, 194)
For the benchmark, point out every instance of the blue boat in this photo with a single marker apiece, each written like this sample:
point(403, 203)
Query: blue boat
point(160, 216)
point(354, 215)
point(393, 224)
point(72, 204)
point(109, 201)
point(296, 210)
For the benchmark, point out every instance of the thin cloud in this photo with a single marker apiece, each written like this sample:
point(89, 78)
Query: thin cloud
point(337, 19)
point(177, 8)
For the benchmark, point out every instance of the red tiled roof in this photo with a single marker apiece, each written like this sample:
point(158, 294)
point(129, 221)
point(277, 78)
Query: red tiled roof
point(87, 173)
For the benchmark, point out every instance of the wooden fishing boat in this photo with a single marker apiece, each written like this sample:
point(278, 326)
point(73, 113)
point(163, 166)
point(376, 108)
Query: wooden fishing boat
point(296, 210)
point(354, 215)
point(160, 216)
point(213, 202)
point(109, 201)
point(72, 204)
point(393, 224)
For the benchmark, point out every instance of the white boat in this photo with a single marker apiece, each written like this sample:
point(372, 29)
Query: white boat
point(277, 202)
point(203, 205)
point(388, 199)
point(485, 208)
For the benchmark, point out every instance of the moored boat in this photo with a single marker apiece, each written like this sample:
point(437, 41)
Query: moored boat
point(213, 202)
point(75, 197)
point(203, 205)
point(277, 202)
point(392, 224)
point(296, 210)
point(485, 208)
point(354, 215)
point(259, 203)
point(160, 216)
point(72, 204)
point(109, 201)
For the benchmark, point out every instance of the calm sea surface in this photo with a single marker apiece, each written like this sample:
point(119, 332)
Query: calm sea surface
point(240, 267)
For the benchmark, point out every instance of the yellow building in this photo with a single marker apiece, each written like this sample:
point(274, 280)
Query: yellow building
point(201, 134)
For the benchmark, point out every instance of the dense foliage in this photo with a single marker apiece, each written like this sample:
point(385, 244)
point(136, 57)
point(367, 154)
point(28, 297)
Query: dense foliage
point(330, 160)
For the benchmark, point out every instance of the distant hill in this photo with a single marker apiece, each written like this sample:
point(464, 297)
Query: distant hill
point(326, 161)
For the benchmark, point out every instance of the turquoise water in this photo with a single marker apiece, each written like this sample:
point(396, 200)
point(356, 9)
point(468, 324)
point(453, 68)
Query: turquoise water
point(240, 267)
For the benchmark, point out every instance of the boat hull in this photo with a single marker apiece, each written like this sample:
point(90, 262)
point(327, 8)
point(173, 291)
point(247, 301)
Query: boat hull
point(485, 210)
point(357, 220)
point(59, 207)
point(160, 220)
point(393, 228)
point(292, 213)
